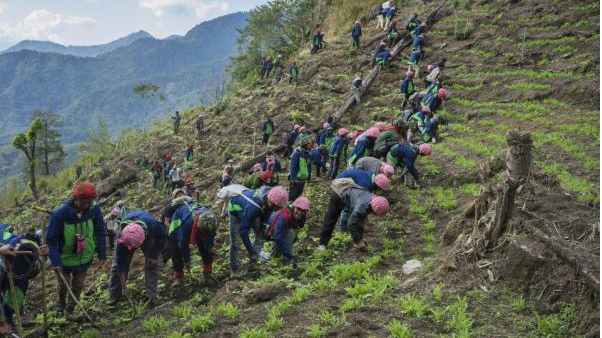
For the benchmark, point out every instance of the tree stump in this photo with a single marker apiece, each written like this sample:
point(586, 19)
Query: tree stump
point(518, 164)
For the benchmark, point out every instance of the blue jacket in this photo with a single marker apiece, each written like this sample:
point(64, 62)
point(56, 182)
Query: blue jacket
point(357, 204)
point(407, 86)
point(296, 158)
point(418, 42)
point(356, 31)
point(280, 228)
point(432, 101)
point(248, 214)
point(363, 178)
point(155, 231)
point(67, 214)
point(390, 13)
point(316, 157)
point(418, 30)
point(324, 137)
point(338, 146)
point(385, 54)
point(181, 233)
point(404, 153)
point(361, 149)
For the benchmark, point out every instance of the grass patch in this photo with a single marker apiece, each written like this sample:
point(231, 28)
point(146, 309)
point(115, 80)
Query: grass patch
point(528, 86)
point(445, 198)
point(471, 189)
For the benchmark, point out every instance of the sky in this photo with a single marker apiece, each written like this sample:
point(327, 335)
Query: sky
point(89, 22)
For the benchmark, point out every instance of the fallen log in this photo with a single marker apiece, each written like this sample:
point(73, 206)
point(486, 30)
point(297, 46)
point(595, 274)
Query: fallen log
point(586, 266)
point(405, 41)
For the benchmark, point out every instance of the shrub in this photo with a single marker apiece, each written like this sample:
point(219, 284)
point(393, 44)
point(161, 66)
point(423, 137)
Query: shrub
point(316, 331)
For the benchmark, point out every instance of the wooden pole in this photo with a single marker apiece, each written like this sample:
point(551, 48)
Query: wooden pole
point(254, 134)
point(44, 304)
point(522, 52)
point(13, 294)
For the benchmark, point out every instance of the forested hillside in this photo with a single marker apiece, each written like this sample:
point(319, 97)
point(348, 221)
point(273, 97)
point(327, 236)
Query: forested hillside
point(448, 259)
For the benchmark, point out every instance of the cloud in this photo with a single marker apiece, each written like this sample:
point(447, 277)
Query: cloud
point(3, 8)
point(201, 9)
point(43, 24)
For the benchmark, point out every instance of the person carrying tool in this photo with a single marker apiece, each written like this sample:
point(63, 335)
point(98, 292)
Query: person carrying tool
point(75, 233)
point(25, 257)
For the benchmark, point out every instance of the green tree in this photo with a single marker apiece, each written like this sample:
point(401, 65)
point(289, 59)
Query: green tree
point(278, 27)
point(147, 91)
point(51, 153)
point(26, 142)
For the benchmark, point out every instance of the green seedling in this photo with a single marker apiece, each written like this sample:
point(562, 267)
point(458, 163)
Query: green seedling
point(438, 292)
point(255, 333)
point(201, 323)
point(227, 310)
point(413, 306)
point(183, 311)
point(274, 323)
point(155, 324)
point(316, 331)
point(398, 330)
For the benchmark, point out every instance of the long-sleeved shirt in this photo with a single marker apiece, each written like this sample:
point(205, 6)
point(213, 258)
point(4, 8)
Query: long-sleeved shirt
point(180, 228)
point(432, 101)
point(356, 31)
point(386, 135)
point(385, 55)
point(363, 178)
point(316, 157)
point(155, 231)
point(357, 203)
point(418, 42)
point(407, 86)
point(362, 148)
point(248, 213)
point(338, 146)
point(418, 30)
point(282, 222)
point(65, 221)
point(369, 163)
point(405, 156)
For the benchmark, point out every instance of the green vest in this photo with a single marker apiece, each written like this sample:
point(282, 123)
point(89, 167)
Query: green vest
point(68, 255)
point(303, 172)
point(268, 129)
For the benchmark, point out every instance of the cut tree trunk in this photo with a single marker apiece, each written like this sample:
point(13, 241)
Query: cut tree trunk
point(586, 266)
point(518, 164)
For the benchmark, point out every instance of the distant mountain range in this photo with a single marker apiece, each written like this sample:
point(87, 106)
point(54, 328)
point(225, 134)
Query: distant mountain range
point(84, 51)
point(187, 68)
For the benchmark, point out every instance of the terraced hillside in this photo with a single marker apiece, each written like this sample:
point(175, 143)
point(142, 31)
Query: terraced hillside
point(526, 65)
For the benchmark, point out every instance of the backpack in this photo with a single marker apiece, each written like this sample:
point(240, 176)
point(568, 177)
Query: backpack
point(204, 217)
point(291, 137)
point(384, 148)
point(233, 190)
